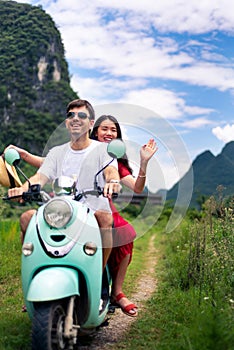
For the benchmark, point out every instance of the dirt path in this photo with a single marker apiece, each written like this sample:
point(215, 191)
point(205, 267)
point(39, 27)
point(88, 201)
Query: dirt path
point(119, 322)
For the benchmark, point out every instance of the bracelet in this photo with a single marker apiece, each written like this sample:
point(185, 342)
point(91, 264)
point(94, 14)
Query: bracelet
point(141, 176)
point(114, 181)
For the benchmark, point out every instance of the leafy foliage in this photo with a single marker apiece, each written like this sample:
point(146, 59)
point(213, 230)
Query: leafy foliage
point(34, 79)
point(192, 307)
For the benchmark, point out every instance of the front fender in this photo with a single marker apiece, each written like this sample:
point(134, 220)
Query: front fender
point(53, 283)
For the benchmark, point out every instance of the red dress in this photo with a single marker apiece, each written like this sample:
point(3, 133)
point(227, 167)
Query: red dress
point(123, 236)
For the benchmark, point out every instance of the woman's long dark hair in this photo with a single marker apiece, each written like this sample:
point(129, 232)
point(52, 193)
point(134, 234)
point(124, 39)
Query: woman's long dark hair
point(93, 136)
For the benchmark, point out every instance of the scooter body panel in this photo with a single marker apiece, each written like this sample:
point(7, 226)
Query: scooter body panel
point(53, 283)
point(49, 277)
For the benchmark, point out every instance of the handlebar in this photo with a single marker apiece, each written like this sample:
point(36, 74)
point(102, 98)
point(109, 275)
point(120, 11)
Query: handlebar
point(98, 192)
point(34, 194)
point(7, 198)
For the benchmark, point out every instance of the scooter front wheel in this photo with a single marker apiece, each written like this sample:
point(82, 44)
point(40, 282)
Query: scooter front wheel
point(48, 326)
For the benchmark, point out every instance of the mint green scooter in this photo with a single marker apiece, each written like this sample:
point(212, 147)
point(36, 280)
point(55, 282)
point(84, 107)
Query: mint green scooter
point(65, 291)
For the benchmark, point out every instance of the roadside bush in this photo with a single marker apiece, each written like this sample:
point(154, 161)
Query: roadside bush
point(198, 280)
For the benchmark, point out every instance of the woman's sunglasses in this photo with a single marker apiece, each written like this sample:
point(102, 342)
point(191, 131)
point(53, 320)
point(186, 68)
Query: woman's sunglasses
point(81, 115)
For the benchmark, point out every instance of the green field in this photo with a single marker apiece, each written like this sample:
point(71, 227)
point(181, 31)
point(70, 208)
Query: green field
point(192, 308)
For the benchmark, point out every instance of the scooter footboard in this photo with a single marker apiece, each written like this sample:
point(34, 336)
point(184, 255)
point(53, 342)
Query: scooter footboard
point(53, 283)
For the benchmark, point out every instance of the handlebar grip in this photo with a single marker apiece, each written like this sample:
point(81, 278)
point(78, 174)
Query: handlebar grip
point(7, 198)
point(115, 195)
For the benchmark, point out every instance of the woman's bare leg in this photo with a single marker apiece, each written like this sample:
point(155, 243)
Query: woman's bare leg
point(117, 284)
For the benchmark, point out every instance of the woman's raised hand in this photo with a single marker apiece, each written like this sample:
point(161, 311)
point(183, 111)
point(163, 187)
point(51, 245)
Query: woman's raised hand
point(147, 151)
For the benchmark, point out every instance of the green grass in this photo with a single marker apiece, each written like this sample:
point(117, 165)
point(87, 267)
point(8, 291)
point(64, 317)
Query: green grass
point(14, 325)
point(192, 308)
point(173, 321)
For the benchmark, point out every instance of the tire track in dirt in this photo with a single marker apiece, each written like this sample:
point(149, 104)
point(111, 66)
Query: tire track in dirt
point(119, 323)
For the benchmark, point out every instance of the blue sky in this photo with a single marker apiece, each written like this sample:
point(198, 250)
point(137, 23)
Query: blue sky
point(174, 58)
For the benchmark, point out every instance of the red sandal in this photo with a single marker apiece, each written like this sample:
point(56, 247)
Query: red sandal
point(127, 308)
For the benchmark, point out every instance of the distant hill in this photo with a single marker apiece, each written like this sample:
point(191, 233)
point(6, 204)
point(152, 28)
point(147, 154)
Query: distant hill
point(209, 172)
point(34, 79)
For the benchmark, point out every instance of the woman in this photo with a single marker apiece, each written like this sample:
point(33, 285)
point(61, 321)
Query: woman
point(107, 128)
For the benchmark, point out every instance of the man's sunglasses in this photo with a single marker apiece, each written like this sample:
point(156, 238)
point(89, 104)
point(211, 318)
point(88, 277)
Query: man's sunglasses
point(81, 115)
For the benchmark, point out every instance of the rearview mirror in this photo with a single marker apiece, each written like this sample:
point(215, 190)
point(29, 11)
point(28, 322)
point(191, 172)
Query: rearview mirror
point(63, 185)
point(11, 156)
point(116, 148)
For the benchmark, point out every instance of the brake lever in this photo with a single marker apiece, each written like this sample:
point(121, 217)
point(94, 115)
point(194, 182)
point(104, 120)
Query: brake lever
point(7, 198)
point(97, 192)
point(31, 196)
point(114, 195)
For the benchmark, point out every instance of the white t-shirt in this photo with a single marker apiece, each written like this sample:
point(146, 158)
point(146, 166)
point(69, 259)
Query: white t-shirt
point(82, 165)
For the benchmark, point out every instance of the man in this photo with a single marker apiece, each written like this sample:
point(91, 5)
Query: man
point(83, 158)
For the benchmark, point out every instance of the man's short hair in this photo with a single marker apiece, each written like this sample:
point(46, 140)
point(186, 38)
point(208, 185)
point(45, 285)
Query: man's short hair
point(81, 103)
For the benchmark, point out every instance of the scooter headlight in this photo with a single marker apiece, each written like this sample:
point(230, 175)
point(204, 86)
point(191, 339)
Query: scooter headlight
point(90, 248)
point(27, 249)
point(58, 212)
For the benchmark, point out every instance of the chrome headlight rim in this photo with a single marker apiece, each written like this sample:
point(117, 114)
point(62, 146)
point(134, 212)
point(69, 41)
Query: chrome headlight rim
point(90, 248)
point(58, 213)
point(27, 248)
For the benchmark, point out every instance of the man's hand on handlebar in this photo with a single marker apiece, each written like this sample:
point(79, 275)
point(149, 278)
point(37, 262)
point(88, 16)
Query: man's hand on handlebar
point(16, 192)
point(111, 189)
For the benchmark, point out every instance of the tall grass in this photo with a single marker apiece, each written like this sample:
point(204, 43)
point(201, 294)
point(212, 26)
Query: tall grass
point(193, 306)
point(211, 254)
point(14, 325)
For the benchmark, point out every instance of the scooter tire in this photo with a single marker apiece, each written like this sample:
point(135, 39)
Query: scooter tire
point(48, 326)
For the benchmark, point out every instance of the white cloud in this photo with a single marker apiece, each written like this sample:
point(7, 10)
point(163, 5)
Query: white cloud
point(116, 38)
point(174, 16)
point(225, 134)
point(168, 104)
point(197, 123)
point(164, 102)
point(179, 16)
point(103, 90)
point(195, 110)
point(141, 57)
